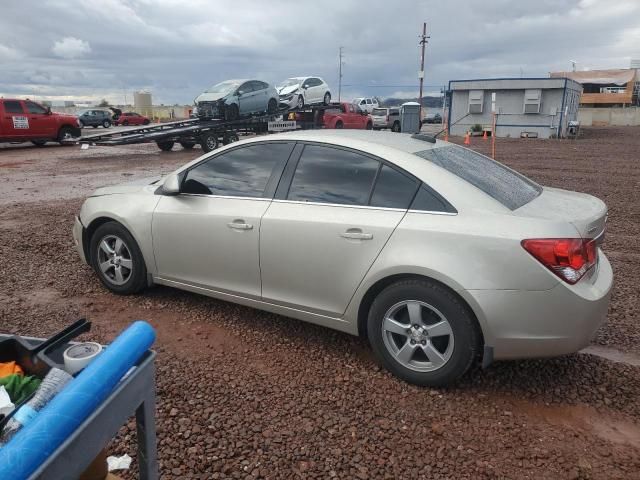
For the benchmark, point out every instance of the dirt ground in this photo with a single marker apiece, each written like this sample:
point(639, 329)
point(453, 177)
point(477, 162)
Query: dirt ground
point(247, 394)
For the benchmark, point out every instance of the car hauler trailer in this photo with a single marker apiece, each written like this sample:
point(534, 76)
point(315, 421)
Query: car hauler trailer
point(209, 133)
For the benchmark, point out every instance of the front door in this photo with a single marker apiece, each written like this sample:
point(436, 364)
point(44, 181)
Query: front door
point(321, 235)
point(208, 235)
point(41, 124)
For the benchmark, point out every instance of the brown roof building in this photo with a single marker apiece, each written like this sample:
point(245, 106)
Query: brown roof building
point(605, 88)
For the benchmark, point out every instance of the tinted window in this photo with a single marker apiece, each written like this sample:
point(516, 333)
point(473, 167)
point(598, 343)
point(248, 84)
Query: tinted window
point(12, 107)
point(35, 108)
point(393, 189)
point(329, 175)
point(242, 172)
point(257, 85)
point(429, 201)
point(380, 112)
point(394, 111)
point(245, 87)
point(506, 186)
point(368, 101)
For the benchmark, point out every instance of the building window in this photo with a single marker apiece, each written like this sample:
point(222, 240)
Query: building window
point(476, 99)
point(532, 101)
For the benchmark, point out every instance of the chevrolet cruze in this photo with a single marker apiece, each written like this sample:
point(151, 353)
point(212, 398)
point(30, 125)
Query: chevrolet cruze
point(440, 256)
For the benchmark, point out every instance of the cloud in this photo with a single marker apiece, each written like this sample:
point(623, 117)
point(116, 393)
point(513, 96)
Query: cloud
point(176, 49)
point(71, 47)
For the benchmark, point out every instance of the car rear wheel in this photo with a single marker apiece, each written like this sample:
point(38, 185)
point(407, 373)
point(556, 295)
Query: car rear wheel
point(231, 112)
point(339, 124)
point(395, 127)
point(369, 126)
point(106, 124)
point(125, 123)
point(272, 106)
point(422, 333)
point(187, 145)
point(209, 141)
point(146, 121)
point(117, 259)
point(327, 98)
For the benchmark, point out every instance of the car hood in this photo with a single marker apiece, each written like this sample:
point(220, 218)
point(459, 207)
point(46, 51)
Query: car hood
point(128, 187)
point(288, 90)
point(210, 97)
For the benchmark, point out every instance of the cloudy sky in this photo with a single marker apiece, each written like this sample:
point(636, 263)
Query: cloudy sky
point(59, 49)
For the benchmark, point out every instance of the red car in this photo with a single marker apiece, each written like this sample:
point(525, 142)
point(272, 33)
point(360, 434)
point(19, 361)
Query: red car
point(132, 118)
point(27, 121)
point(347, 115)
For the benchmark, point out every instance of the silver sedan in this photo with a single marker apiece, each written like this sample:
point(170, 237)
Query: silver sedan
point(437, 254)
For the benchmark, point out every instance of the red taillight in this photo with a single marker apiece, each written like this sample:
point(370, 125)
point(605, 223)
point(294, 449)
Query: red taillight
point(569, 258)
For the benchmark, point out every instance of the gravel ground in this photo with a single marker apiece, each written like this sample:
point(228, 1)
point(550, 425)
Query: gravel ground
point(248, 394)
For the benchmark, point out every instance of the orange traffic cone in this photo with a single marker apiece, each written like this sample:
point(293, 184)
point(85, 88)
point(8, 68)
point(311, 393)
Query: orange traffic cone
point(467, 139)
point(484, 135)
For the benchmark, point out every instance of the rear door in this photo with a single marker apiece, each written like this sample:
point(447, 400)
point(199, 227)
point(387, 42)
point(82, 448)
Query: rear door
point(208, 235)
point(327, 225)
point(15, 122)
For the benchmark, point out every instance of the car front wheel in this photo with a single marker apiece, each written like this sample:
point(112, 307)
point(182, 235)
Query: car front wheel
point(327, 98)
point(422, 333)
point(117, 259)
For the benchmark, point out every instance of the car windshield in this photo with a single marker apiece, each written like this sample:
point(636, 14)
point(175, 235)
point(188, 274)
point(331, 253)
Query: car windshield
point(290, 82)
point(380, 112)
point(223, 87)
point(503, 184)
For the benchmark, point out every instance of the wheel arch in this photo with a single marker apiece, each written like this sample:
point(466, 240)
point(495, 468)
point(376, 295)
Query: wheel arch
point(372, 292)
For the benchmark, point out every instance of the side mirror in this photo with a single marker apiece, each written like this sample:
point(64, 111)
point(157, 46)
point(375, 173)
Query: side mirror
point(48, 111)
point(238, 93)
point(171, 185)
point(305, 87)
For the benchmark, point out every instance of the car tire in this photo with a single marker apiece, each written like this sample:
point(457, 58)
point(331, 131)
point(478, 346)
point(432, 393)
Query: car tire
point(165, 146)
point(108, 259)
point(327, 98)
point(146, 122)
point(396, 127)
point(106, 124)
point(416, 355)
point(125, 123)
point(39, 143)
point(339, 125)
point(64, 132)
point(369, 126)
point(230, 137)
point(187, 145)
point(272, 106)
point(231, 113)
point(94, 126)
point(208, 141)
point(300, 102)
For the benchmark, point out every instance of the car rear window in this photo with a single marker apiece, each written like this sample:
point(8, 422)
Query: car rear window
point(503, 184)
point(381, 112)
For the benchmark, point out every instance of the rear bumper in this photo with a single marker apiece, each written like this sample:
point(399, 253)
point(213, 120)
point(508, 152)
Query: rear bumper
point(78, 238)
point(559, 321)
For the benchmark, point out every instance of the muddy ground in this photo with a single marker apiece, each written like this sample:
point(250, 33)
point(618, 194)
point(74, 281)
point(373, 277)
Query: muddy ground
point(247, 394)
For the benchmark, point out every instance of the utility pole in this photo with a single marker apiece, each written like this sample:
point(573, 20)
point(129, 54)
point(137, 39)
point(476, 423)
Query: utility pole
point(340, 73)
point(423, 42)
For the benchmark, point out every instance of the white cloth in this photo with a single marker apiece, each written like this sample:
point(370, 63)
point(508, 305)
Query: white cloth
point(6, 407)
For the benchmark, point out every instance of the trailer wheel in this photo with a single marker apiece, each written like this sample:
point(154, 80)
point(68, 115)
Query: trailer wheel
point(165, 146)
point(187, 145)
point(231, 112)
point(209, 141)
point(230, 137)
point(272, 106)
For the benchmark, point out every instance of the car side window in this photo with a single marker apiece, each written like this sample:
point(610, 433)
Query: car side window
point(35, 108)
point(368, 101)
point(331, 175)
point(245, 88)
point(11, 106)
point(428, 200)
point(363, 102)
point(241, 172)
point(393, 189)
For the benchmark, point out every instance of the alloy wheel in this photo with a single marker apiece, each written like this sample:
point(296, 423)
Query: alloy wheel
point(114, 260)
point(417, 336)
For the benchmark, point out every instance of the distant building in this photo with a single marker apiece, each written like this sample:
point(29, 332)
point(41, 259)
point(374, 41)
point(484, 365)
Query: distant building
point(532, 107)
point(606, 88)
point(142, 99)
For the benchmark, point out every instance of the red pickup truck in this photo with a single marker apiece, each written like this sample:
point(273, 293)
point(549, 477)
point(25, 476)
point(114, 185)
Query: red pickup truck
point(27, 121)
point(347, 115)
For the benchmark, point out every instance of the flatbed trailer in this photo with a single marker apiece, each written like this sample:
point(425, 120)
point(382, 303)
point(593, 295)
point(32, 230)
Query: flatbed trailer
point(209, 133)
